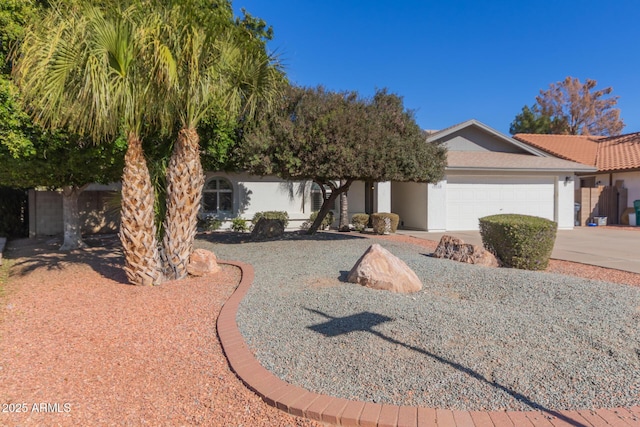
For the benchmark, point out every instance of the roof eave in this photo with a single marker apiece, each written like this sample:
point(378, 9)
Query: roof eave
point(505, 169)
point(618, 170)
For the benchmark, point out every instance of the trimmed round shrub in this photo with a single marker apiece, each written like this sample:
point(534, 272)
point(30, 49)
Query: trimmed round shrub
point(281, 215)
point(360, 221)
point(519, 241)
point(378, 223)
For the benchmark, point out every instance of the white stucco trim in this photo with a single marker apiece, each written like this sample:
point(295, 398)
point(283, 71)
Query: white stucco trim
point(382, 196)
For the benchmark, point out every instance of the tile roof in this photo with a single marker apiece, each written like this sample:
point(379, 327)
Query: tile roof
point(606, 153)
point(510, 161)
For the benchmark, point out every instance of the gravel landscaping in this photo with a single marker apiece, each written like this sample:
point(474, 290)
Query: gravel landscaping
point(474, 338)
point(95, 351)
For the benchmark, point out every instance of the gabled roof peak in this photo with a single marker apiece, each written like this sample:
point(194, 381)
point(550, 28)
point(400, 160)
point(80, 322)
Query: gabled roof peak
point(475, 123)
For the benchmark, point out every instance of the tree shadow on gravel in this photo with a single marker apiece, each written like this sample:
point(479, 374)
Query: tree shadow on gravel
point(103, 254)
point(343, 276)
point(365, 321)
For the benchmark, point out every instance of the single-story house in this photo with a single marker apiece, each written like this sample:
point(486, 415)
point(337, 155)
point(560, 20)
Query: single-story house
point(615, 158)
point(487, 173)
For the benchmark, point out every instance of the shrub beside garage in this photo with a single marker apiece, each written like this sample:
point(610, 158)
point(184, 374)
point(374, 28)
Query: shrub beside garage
point(519, 241)
point(379, 224)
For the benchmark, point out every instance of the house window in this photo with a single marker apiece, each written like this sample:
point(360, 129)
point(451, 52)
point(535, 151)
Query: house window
point(316, 197)
point(217, 196)
point(588, 182)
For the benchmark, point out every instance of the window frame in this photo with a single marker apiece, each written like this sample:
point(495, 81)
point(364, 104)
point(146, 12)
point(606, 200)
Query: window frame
point(217, 191)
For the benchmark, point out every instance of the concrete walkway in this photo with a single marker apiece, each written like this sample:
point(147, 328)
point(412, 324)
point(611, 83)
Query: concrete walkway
point(608, 247)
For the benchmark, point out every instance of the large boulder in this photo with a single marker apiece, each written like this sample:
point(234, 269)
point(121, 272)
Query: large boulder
point(202, 263)
point(267, 229)
point(380, 269)
point(457, 250)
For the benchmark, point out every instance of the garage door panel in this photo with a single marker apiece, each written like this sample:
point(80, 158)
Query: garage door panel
point(471, 198)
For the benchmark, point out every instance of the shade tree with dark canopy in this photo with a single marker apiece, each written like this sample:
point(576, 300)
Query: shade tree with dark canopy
point(336, 138)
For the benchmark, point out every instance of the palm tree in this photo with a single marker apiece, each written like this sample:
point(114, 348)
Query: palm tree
point(94, 70)
point(217, 70)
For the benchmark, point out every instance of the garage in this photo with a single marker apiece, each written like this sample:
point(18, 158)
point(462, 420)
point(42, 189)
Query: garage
point(488, 173)
point(472, 197)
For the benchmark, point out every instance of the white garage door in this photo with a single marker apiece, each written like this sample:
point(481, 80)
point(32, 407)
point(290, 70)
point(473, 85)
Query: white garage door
point(472, 197)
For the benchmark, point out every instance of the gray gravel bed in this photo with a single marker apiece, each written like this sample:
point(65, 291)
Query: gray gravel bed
point(474, 338)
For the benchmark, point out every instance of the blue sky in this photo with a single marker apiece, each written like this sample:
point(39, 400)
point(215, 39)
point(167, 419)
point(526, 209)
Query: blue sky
point(454, 60)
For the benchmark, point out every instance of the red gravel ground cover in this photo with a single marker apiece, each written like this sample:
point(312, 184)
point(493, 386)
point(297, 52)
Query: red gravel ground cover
point(96, 351)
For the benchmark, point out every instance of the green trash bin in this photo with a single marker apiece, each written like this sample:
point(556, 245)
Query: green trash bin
point(636, 206)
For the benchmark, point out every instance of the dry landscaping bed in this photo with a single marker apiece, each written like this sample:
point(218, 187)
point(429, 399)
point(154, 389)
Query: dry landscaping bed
point(74, 333)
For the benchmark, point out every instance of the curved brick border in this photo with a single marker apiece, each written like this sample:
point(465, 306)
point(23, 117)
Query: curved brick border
point(303, 403)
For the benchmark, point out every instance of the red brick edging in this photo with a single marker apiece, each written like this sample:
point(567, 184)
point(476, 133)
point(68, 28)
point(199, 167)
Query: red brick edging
point(332, 410)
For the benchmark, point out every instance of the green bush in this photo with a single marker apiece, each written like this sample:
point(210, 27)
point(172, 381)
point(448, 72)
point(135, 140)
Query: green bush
point(326, 222)
point(360, 221)
point(239, 225)
point(519, 241)
point(210, 223)
point(378, 223)
point(281, 215)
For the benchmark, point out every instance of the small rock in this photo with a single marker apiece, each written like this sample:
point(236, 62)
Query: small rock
point(202, 263)
point(380, 269)
point(267, 229)
point(457, 250)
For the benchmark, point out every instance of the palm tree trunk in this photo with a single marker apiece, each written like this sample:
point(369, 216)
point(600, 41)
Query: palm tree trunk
point(344, 209)
point(71, 218)
point(137, 229)
point(185, 180)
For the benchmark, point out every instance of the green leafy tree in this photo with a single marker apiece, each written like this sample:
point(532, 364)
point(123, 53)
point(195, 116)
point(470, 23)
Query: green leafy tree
point(571, 107)
point(530, 120)
point(14, 16)
point(335, 139)
point(58, 161)
point(140, 67)
point(32, 157)
point(93, 70)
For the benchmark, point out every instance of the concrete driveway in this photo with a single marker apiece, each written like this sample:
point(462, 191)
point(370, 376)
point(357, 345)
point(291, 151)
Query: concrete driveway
point(602, 246)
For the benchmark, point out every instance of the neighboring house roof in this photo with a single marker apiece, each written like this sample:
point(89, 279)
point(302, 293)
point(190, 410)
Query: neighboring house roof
point(475, 146)
point(473, 160)
point(607, 154)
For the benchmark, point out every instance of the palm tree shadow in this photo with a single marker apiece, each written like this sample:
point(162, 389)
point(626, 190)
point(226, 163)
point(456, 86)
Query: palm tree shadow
point(366, 321)
point(103, 255)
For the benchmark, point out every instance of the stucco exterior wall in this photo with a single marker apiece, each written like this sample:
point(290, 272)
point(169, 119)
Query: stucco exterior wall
point(382, 196)
point(631, 183)
point(45, 212)
point(565, 194)
point(409, 201)
point(437, 206)
point(356, 198)
point(47, 215)
point(253, 194)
